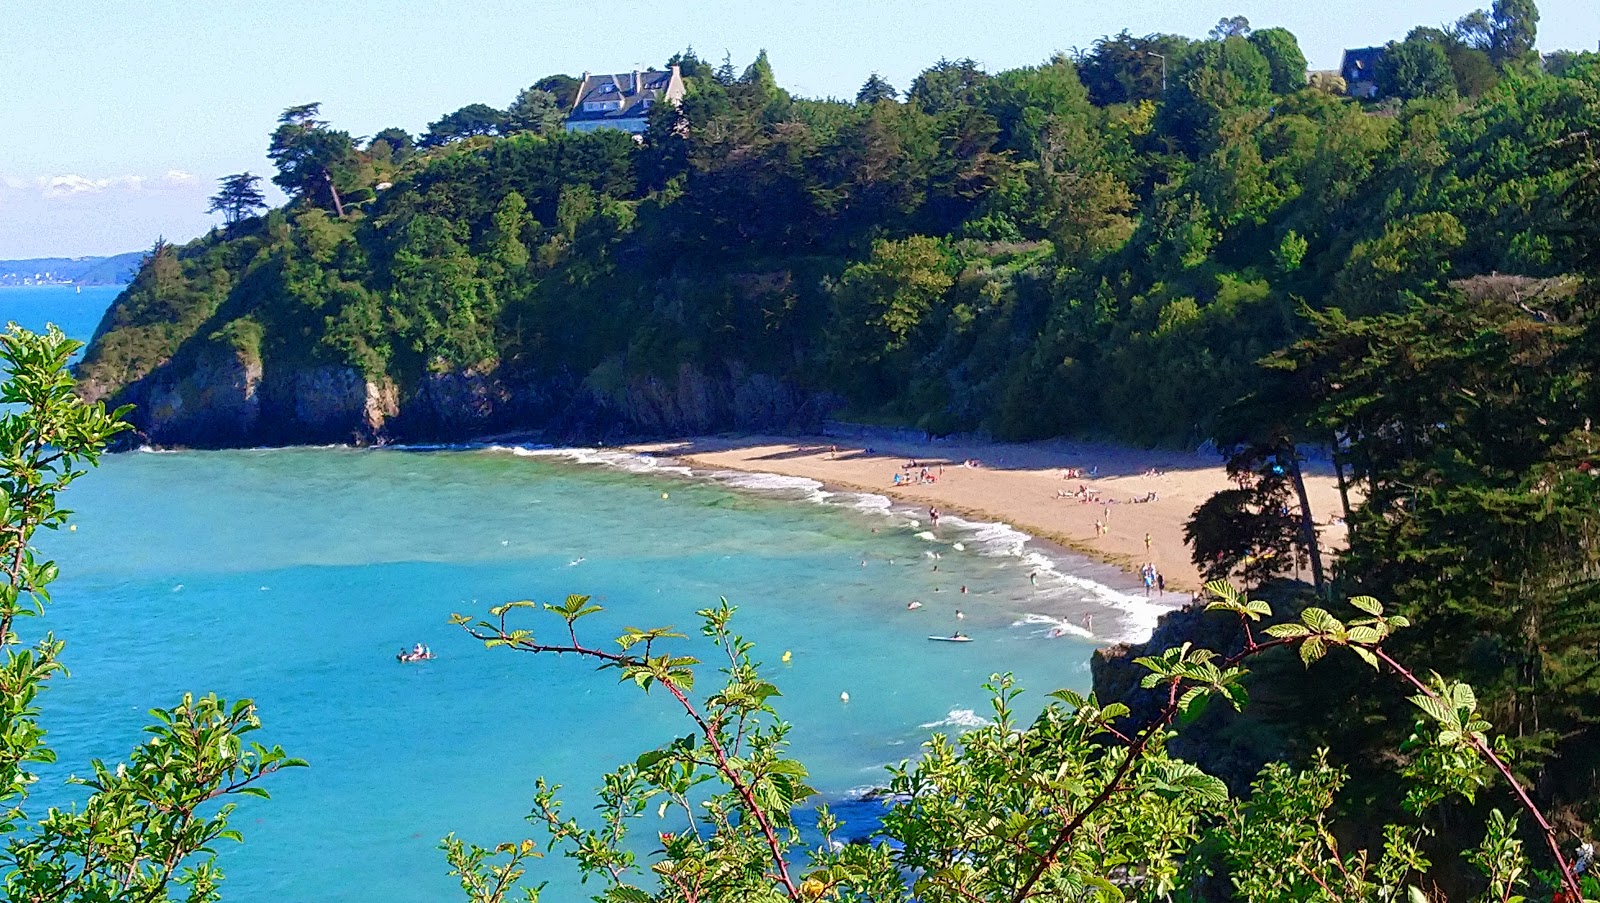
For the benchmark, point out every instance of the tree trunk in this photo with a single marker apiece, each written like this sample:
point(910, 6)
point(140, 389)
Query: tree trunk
point(1308, 524)
point(1338, 473)
point(338, 207)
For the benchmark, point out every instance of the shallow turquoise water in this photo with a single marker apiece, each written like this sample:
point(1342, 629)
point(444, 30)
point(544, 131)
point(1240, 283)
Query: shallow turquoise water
point(292, 576)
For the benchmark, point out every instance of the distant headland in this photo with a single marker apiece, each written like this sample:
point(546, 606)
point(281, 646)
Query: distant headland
point(114, 270)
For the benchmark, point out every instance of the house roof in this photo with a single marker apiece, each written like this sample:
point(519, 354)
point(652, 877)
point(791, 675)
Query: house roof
point(1360, 64)
point(628, 89)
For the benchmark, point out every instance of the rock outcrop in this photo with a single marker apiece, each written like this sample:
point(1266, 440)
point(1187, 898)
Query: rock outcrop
point(219, 397)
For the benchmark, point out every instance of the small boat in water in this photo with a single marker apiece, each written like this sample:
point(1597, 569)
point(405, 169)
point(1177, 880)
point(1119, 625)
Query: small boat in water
point(954, 638)
point(417, 653)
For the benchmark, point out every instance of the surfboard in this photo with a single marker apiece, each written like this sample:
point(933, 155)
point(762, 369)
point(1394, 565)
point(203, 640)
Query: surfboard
point(951, 639)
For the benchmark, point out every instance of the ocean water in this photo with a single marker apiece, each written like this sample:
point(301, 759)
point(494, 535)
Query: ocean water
point(76, 312)
point(292, 576)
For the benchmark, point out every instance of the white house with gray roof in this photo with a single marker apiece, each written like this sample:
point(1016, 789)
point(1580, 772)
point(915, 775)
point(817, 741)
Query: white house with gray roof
point(622, 101)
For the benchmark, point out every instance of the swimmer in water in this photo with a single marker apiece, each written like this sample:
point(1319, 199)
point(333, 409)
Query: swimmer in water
point(963, 589)
point(960, 616)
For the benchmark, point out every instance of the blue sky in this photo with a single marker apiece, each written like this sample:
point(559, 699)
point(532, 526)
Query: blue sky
point(117, 118)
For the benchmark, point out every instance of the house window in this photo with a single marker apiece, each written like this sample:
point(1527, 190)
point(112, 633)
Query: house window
point(601, 106)
point(608, 89)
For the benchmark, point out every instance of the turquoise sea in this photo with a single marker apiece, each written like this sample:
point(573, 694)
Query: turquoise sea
point(292, 576)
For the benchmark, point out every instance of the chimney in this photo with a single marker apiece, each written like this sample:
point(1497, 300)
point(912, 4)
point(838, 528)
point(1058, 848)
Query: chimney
point(637, 84)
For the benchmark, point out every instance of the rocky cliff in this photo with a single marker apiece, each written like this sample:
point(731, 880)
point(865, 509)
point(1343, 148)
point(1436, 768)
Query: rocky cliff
point(220, 397)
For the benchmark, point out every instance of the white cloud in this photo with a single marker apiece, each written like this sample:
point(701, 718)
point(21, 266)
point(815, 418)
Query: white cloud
point(72, 185)
point(74, 213)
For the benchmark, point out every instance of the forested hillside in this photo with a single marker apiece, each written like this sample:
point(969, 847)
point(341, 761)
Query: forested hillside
point(1061, 248)
point(1161, 240)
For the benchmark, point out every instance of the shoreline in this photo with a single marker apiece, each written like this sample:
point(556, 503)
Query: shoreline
point(1016, 484)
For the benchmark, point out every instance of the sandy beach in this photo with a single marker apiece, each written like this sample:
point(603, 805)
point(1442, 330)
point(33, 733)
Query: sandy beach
point(1021, 485)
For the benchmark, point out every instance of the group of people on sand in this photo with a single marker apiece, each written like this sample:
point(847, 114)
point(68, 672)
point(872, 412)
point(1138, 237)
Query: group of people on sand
point(1152, 577)
point(923, 475)
point(416, 653)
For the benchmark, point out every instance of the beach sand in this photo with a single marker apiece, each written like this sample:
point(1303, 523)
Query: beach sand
point(1018, 484)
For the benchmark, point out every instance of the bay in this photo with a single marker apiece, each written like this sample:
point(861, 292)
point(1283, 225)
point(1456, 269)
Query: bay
point(292, 576)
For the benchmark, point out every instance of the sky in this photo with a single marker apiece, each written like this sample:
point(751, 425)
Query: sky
point(117, 118)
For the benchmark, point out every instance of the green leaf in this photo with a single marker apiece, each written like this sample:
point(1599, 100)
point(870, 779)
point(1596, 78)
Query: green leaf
point(1312, 649)
point(1368, 604)
point(1366, 656)
point(1319, 620)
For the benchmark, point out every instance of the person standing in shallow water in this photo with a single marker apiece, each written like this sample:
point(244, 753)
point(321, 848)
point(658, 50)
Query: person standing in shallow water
point(933, 515)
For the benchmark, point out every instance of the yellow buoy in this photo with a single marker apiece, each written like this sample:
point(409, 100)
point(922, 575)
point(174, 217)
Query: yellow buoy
point(663, 495)
point(787, 655)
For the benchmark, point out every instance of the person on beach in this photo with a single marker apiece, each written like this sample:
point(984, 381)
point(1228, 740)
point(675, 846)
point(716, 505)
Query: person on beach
point(1147, 543)
point(1161, 584)
point(933, 515)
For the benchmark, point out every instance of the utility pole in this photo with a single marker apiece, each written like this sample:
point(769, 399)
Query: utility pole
point(1163, 60)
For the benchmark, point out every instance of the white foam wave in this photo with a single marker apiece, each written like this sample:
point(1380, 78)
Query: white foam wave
point(1053, 626)
point(991, 537)
point(805, 488)
point(1137, 614)
point(966, 718)
point(152, 450)
point(927, 536)
point(633, 462)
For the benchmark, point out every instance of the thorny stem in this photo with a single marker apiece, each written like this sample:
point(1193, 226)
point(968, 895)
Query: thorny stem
point(1134, 753)
point(1569, 880)
point(1136, 749)
point(738, 783)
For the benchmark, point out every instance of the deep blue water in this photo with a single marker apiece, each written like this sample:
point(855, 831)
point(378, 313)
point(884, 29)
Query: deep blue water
point(76, 312)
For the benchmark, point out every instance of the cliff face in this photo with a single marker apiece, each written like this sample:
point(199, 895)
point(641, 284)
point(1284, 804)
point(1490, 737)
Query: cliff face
point(222, 398)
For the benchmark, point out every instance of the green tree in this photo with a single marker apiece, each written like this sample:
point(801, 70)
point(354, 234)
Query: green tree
point(1514, 30)
point(314, 161)
point(1215, 79)
point(882, 304)
point(1230, 27)
point(535, 110)
point(1284, 59)
point(237, 197)
point(1127, 69)
point(1416, 67)
point(472, 119)
point(875, 89)
point(1506, 31)
point(947, 85)
point(396, 144)
point(564, 87)
point(143, 830)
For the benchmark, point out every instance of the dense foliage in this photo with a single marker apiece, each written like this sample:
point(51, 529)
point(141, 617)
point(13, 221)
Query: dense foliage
point(1082, 803)
point(1062, 248)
